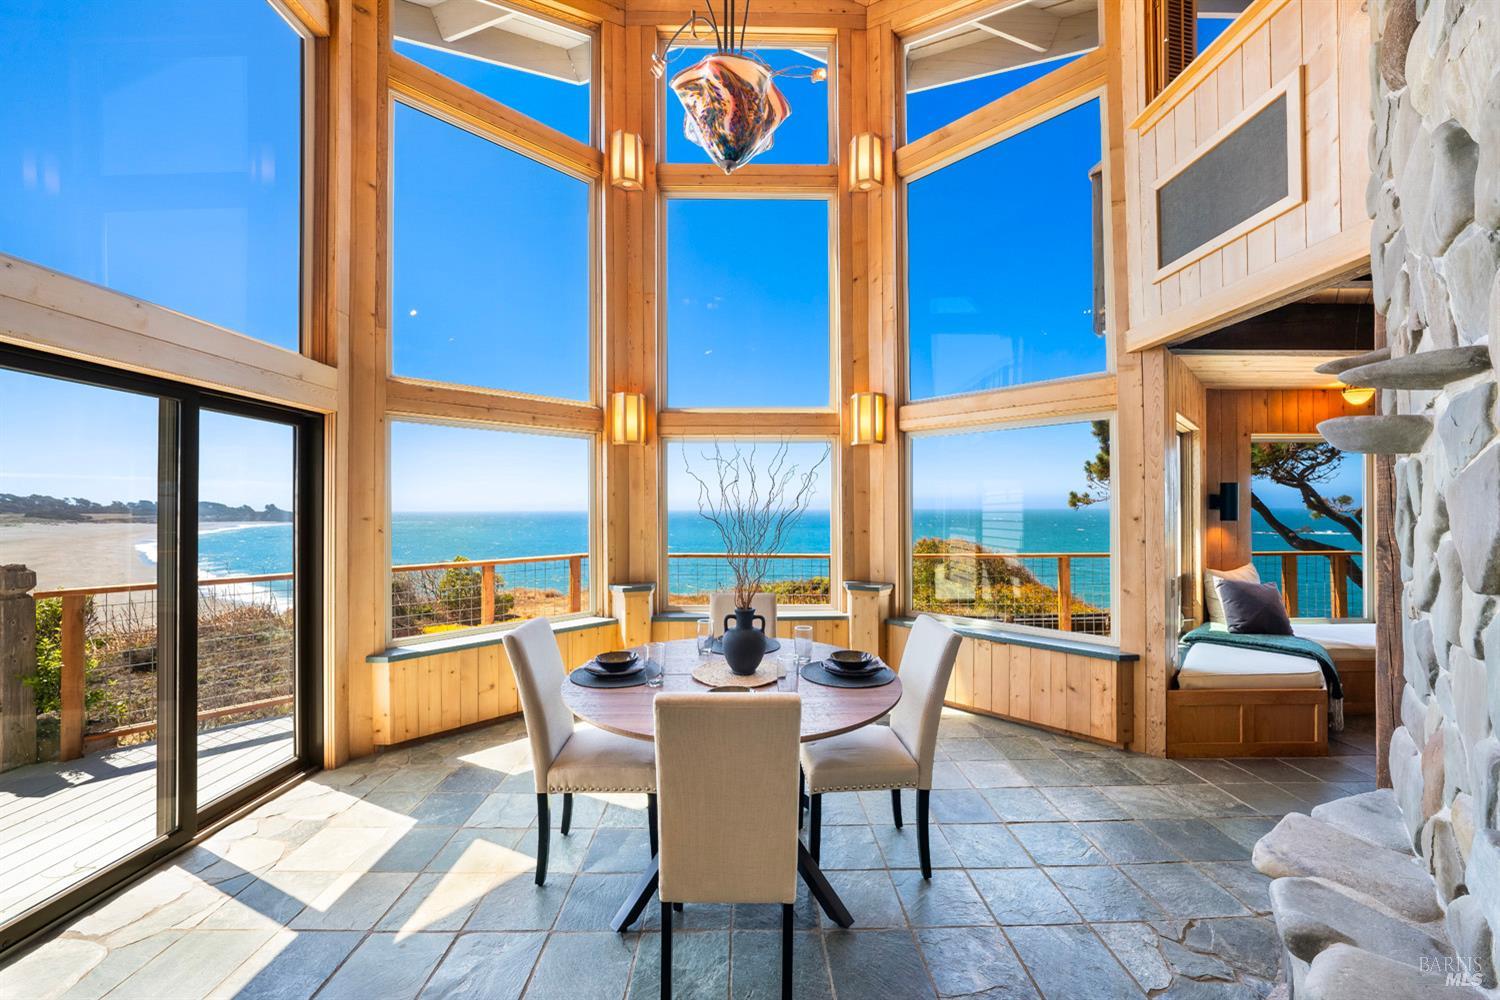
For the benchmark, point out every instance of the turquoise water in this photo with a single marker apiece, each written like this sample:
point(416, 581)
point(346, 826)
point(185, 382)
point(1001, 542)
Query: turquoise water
point(419, 538)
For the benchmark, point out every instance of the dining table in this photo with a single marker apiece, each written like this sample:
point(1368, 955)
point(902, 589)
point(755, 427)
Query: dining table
point(826, 711)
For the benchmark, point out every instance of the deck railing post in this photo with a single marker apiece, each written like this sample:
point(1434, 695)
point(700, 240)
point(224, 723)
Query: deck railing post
point(1338, 590)
point(575, 583)
point(1065, 593)
point(74, 622)
point(17, 662)
point(1289, 583)
point(487, 594)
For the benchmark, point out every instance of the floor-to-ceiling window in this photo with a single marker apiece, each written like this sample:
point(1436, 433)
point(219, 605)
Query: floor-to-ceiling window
point(495, 402)
point(1009, 491)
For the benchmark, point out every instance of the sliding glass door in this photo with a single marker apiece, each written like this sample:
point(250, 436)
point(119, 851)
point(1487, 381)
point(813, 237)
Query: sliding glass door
point(158, 626)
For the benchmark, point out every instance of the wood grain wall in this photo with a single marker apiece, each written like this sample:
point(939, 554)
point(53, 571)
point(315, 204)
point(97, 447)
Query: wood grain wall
point(1233, 417)
point(1082, 696)
point(1323, 236)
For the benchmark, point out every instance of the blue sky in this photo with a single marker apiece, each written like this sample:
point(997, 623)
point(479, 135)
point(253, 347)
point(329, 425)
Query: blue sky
point(161, 156)
point(1035, 465)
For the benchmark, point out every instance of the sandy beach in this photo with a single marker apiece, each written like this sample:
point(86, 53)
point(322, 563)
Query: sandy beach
point(73, 554)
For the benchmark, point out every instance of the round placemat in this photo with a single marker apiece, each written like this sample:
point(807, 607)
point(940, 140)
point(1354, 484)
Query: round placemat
point(716, 673)
point(772, 645)
point(818, 674)
point(588, 679)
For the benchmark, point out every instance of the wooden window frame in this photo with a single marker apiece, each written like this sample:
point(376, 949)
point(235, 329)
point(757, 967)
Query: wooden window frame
point(1048, 419)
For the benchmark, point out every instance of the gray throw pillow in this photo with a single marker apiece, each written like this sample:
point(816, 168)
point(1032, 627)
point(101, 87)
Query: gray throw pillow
point(1254, 608)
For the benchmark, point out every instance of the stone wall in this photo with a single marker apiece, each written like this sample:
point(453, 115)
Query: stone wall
point(1435, 251)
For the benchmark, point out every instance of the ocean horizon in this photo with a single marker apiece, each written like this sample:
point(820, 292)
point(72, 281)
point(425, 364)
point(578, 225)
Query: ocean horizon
point(427, 536)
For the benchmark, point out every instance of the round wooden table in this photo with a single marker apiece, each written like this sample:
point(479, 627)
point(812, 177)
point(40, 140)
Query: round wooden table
point(826, 711)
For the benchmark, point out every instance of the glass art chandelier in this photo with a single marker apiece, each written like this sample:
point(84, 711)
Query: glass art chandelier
point(731, 102)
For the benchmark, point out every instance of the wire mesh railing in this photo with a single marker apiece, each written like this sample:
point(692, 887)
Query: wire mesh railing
point(1316, 584)
point(430, 598)
point(794, 577)
point(1066, 591)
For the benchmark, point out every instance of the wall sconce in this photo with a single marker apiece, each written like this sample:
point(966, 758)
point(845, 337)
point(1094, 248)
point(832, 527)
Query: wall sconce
point(627, 418)
point(1226, 501)
point(1357, 395)
point(867, 417)
point(627, 160)
point(866, 162)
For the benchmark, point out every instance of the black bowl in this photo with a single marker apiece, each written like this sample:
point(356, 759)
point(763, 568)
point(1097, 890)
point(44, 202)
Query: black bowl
point(617, 660)
point(851, 659)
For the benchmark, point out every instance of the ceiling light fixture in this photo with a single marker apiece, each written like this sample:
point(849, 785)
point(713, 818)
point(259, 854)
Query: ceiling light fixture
point(731, 102)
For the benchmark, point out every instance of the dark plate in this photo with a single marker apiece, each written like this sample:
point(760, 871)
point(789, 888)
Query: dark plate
point(617, 661)
point(861, 671)
point(605, 670)
point(850, 658)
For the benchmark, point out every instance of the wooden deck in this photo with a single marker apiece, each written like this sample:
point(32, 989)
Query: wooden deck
point(61, 822)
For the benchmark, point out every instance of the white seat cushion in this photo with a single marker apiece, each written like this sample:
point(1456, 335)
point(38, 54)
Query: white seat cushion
point(595, 761)
point(871, 757)
point(1356, 638)
point(1211, 667)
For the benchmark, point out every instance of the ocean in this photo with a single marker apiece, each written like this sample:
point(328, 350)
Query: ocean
point(433, 537)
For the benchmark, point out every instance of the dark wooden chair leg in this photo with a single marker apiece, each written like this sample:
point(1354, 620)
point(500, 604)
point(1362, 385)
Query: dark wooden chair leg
point(801, 797)
point(923, 850)
point(786, 951)
point(543, 838)
point(651, 821)
point(815, 831)
point(567, 820)
point(896, 806)
point(666, 951)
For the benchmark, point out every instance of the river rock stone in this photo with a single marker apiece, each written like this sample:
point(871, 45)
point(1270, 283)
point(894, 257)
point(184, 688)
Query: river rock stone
point(1338, 365)
point(1402, 434)
point(1447, 606)
point(1406, 779)
point(1313, 914)
point(1372, 816)
point(1455, 762)
point(1461, 812)
point(1470, 696)
point(1467, 425)
point(1471, 938)
point(1420, 662)
point(1472, 505)
point(1483, 874)
point(1484, 775)
point(1300, 845)
point(1434, 763)
point(1343, 972)
point(1400, 22)
point(1455, 159)
point(1469, 266)
point(1444, 861)
point(1413, 709)
point(1490, 640)
point(1424, 370)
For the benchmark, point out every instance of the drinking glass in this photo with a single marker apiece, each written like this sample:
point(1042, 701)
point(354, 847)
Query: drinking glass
point(656, 653)
point(705, 636)
point(802, 639)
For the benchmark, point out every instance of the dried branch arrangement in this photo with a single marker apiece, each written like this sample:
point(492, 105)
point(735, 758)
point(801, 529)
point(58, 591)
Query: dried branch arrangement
point(753, 507)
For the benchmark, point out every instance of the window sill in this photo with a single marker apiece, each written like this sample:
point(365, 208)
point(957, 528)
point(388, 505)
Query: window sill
point(1011, 637)
point(490, 637)
point(782, 614)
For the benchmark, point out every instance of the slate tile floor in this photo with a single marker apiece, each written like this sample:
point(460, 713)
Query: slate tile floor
point(1064, 870)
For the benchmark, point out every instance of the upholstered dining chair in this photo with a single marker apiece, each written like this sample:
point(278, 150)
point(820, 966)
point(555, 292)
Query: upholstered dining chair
point(565, 759)
point(896, 756)
point(721, 604)
point(726, 775)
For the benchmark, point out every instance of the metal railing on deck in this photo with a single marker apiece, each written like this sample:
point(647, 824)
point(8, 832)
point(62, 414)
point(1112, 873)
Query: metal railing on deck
point(1067, 591)
point(798, 577)
point(1331, 593)
point(444, 596)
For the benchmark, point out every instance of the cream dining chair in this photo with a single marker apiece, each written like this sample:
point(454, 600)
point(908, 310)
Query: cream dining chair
point(726, 774)
point(896, 756)
point(564, 759)
point(721, 604)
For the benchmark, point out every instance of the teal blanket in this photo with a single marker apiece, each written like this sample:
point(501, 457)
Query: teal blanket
point(1292, 645)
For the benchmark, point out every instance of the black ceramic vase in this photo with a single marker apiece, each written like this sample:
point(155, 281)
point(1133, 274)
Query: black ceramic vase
point(744, 640)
